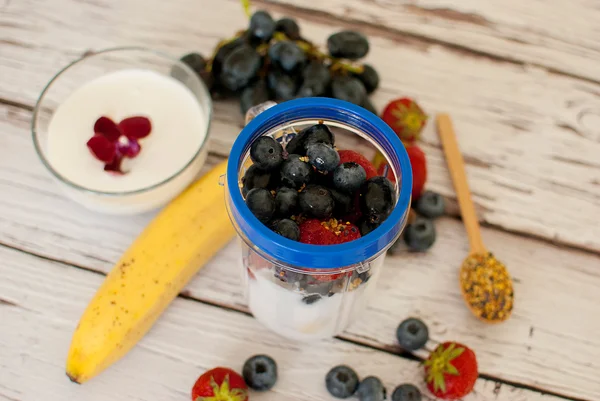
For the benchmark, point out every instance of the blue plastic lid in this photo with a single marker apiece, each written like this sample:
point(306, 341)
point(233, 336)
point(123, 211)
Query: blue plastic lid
point(320, 256)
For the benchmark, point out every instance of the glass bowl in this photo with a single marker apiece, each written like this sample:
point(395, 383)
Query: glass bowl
point(80, 174)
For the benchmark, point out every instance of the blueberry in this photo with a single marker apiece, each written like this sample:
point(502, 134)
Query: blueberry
point(289, 27)
point(324, 179)
point(222, 53)
point(316, 78)
point(420, 235)
point(282, 85)
point(378, 199)
point(341, 381)
point(266, 153)
point(366, 104)
point(430, 204)
point(287, 228)
point(257, 178)
point(406, 392)
point(318, 71)
point(311, 299)
point(349, 89)
point(316, 201)
point(262, 26)
point(240, 67)
point(412, 334)
point(311, 88)
point(343, 202)
point(371, 389)
point(349, 177)
point(261, 203)
point(322, 156)
point(287, 55)
point(196, 62)
point(348, 44)
point(286, 202)
point(260, 372)
point(365, 227)
point(253, 95)
point(369, 78)
point(295, 172)
point(319, 133)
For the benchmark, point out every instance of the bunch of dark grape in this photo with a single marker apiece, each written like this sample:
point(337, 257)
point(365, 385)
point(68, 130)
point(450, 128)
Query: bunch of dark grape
point(270, 60)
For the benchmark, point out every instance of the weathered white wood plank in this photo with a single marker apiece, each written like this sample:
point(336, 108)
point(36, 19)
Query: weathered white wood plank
point(560, 35)
point(40, 304)
point(530, 138)
point(556, 289)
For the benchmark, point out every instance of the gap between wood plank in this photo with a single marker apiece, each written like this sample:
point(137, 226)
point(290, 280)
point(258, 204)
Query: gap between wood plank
point(389, 350)
point(394, 33)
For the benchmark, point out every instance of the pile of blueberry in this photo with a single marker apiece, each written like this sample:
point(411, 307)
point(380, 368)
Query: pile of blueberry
point(270, 60)
point(311, 192)
point(342, 381)
point(260, 373)
point(419, 234)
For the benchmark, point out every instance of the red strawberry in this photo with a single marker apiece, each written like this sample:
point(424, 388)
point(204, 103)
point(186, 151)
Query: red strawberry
point(347, 232)
point(405, 117)
point(353, 156)
point(419, 169)
point(315, 233)
point(451, 371)
point(222, 384)
point(328, 232)
point(418, 164)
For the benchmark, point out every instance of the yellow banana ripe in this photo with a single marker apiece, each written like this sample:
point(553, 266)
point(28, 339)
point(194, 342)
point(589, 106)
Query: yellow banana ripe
point(174, 246)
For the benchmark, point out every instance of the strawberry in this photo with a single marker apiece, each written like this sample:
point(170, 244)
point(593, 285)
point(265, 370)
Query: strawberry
point(347, 232)
point(451, 371)
point(417, 162)
point(220, 384)
point(419, 169)
point(405, 117)
point(313, 232)
point(329, 232)
point(353, 156)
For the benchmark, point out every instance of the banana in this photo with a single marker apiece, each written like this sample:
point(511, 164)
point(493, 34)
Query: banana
point(149, 275)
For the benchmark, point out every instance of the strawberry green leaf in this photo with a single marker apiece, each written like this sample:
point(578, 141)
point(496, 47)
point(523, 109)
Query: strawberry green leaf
point(455, 353)
point(439, 383)
point(450, 369)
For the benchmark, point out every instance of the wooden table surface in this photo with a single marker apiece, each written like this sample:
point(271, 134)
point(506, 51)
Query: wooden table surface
point(522, 82)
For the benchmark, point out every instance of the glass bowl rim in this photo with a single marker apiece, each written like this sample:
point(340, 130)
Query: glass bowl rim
point(40, 152)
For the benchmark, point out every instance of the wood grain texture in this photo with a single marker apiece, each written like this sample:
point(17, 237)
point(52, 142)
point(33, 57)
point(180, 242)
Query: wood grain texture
point(530, 138)
point(562, 36)
point(548, 343)
point(44, 301)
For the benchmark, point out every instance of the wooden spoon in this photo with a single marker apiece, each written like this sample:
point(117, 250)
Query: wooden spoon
point(484, 281)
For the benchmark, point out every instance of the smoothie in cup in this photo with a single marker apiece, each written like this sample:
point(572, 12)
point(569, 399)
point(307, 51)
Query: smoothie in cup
point(304, 291)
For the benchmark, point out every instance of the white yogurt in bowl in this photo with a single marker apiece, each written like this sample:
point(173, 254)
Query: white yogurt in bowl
point(170, 158)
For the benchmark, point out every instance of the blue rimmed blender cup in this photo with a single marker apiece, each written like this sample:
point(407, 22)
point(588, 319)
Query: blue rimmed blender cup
point(302, 291)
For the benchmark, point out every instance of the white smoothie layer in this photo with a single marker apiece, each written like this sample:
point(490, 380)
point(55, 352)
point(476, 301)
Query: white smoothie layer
point(179, 127)
point(283, 311)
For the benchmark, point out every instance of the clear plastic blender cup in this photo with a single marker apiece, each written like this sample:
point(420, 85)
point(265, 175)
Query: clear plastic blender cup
point(302, 291)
